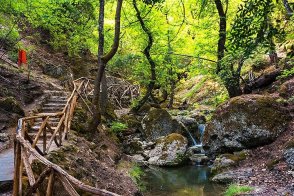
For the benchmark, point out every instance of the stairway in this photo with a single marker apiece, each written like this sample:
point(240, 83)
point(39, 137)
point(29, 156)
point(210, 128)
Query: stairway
point(55, 103)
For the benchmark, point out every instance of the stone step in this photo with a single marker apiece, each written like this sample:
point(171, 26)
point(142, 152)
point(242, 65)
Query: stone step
point(56, 93)
point(51, 119)
point(51, 109)
point(37, 127)
point(60, 105)
point(57, 101)
point(48, 136)
point(51, 123)
point(58, 97)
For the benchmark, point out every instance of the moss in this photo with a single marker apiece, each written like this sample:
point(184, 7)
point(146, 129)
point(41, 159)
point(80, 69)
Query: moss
point(11, 105)
point(271, 164)
point(131, 121)
point(172, 137)
point(290, 144)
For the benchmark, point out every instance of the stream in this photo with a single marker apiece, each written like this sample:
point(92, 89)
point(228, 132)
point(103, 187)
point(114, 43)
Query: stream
point(180, 181)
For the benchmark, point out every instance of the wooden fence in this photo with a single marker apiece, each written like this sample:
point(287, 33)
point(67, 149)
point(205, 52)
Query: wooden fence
point(26, 149)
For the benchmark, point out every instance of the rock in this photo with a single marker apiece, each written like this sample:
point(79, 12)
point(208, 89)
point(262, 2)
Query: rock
point(289, 157)
point(169, 150)
point(137, 158)
point(158, 122)
point(4, 137)
point(132, 145)
point(53, 70)
point(9, 104)
point(233, 176)
point(244, 122)
point(199, 159)
point(191, 125)
point(133, 123)
point(222, 162)
point(287, 89)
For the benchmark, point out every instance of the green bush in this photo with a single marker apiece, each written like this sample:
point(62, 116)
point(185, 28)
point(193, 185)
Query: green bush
point(136, 174)
point(287, 73)
point(235, 189)
point(118, 127)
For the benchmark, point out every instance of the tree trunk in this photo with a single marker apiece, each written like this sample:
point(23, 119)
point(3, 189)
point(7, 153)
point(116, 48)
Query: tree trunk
point(222, 33)
point(149, 58)
point(103, 99)
point(288, 7)
point(262, 81)
point(102, 61)
point(233, 86)
point(172, 94)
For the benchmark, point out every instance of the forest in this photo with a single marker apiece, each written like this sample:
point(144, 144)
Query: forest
point(147, 97)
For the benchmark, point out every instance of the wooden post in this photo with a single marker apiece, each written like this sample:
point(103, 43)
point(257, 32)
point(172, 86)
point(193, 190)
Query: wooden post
point(49, 190)
point(44, 139)
point(17, 160)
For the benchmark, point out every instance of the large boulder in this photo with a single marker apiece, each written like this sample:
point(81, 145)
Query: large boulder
point(244, 122)
point(169, 150)
point(158, 122)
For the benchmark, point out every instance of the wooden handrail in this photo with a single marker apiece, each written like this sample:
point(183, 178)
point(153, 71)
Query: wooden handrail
point(25, 146)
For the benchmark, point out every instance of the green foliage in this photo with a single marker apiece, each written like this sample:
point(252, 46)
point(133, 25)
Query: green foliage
point(118, 127)
point(136, 174)
point(9, 35)
point(287, 73)
point(235, 189)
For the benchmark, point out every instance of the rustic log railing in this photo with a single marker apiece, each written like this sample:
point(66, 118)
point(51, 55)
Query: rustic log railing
point(26, 149)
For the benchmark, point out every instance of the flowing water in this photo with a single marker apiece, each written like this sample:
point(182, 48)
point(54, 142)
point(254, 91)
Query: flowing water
point(183, 181)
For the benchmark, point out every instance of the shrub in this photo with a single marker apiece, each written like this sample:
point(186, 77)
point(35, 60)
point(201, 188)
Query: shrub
point(118, 127)
point(287, 73)
point(136, 174)
point(235, 189)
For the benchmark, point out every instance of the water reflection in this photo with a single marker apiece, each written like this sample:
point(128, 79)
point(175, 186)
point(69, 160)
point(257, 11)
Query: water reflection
point(184, 181)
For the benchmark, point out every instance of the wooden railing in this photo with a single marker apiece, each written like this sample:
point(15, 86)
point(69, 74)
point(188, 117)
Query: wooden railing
point(26, 149)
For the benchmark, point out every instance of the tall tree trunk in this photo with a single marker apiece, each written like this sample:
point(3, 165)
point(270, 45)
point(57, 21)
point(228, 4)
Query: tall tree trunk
point(103, 60)
point(222, 34)
point(149, 58)
point(233, 86)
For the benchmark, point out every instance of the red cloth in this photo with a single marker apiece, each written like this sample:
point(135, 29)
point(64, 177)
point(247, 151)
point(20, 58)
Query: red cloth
point(22, 57)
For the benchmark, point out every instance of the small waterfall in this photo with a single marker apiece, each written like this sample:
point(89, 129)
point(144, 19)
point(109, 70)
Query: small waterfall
point(193, 140)
point(197, 149)
point(201, 129)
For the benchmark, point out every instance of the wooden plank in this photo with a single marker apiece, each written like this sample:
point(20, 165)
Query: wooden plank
point(52, 131)
point(44, 139)
point(55, 132)
point(67, 186)
point(59, 170)
point(17, 157)
point(41, 178)
point(27, 166)
point(41, 115)
point(50, 185)
point(41, 129)
point(27, 137)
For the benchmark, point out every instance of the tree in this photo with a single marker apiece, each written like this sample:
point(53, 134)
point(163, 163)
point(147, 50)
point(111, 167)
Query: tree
point(103, 59)
point(146, 52)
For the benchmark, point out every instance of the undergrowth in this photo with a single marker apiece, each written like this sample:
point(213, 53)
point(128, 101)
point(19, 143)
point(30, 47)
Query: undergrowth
point(235, 189)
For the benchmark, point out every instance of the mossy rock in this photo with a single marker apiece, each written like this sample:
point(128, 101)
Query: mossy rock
point(287, 89)
point(169, 150)
point(9, 104)
point(131, 121)
point(158, 122)
point(245, 122)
